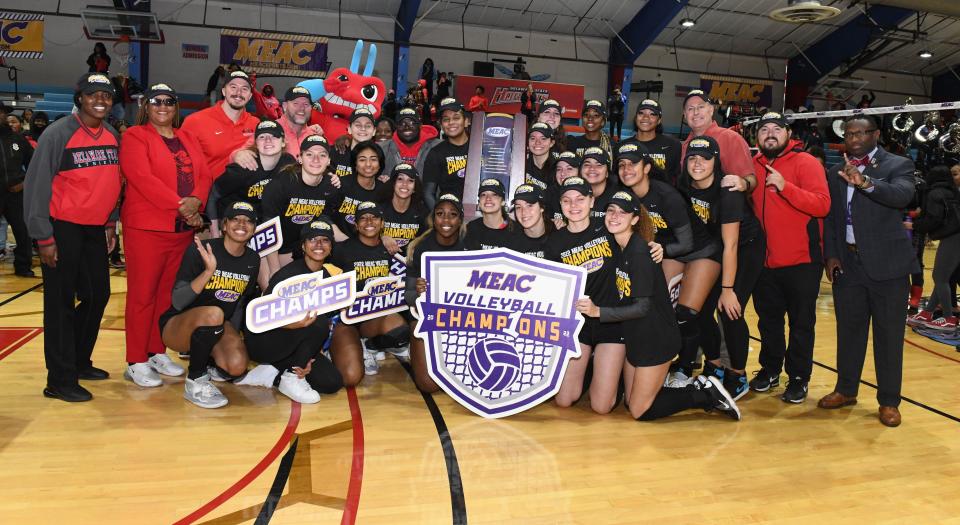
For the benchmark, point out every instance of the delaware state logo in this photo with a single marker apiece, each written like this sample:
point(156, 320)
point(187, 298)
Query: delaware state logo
point(499, 327)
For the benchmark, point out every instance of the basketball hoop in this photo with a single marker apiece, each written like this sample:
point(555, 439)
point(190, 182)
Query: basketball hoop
point(121, 50)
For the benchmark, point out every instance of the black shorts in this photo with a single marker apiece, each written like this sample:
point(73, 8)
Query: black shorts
point(642, 353)
point(165, 318)
point(712, 251)
point(596, 333)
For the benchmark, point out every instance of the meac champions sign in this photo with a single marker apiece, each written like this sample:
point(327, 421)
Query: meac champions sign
point(735, 89)
point(275, 53)
point(21, 35)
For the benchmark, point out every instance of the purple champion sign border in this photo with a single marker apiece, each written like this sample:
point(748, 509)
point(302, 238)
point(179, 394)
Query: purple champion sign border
point(570, 320)
point(294, 298)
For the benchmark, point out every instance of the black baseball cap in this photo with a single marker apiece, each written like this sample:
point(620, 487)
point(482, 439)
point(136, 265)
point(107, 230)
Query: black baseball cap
point(449, 104)
point(703, 146)
point(570, 158)
point(408, 113)
point(596, 105)
point(652, 105)
point(774, 117)
point(360, 113)
point(268, 127)
point(578, 184)
point(316, 228)
point(405, 169)
point(296, 92)
point(493, 185)
point(625, 201)
point(452, 199)
point(241, 208)
point(528, 193)
point(597, 154)
point(159, 89)
point(696, 93)
point(367, 208)
point(314, 140)
point(91, 83)
point(541, 128)
point(548, 104)
point(634, 151)
point(238, 74)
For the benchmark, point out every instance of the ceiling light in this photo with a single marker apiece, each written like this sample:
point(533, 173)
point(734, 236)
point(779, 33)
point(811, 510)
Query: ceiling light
point(925, 54)
point(688, 22)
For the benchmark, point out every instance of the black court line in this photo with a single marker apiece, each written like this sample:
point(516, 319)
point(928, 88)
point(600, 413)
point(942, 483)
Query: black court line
point(873, 386)
point(21, 294)
point(458, 504)
point(276, 490)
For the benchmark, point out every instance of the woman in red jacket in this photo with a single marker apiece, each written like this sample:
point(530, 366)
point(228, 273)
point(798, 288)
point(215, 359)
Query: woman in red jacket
point(167, 186)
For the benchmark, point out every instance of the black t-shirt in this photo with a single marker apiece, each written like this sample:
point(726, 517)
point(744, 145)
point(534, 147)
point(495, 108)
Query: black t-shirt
point(716, 206)
point(241, 184)
point(428, 244)
point(297, 203)
point(341, 164)
point(536, 247)
point(665, 154)
point(352, 194)
point(551, 205)
point(638, 276)
point(481, 237)
point(445, 166)
point(601, 201)
point(406, 226)
point(370, 262)
point(593, 250)
point(669, 210)
point(536, 176)
point(299, 267)
point(233, 282)
point(579, 143)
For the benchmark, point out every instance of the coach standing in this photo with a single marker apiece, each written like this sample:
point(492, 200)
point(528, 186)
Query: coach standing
point(735, 157)
point(70, 192)
point(869, 260)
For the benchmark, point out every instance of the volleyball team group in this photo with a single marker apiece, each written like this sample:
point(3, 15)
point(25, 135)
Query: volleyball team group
point(635, 213)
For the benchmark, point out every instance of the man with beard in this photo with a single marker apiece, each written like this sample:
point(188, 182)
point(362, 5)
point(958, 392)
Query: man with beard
point(791, 203)
point(226, 129)
point(297, 108)
point(869, 260)
point(410, 144)
point(735, 158)
point(664, 149)
point(446, 163)
point(70, 193)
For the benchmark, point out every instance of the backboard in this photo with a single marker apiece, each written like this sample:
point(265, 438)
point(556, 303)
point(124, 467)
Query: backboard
point(108, 24)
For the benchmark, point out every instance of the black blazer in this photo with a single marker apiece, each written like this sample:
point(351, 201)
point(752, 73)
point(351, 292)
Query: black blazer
point(882, 243)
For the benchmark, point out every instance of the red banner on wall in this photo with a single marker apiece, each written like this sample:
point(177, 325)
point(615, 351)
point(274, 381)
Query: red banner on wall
point(504, 94)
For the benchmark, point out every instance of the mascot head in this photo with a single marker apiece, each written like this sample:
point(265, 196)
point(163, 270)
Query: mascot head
point(345, 90)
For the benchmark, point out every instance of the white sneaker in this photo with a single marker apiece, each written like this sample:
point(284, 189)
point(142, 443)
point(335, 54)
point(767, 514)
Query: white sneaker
point(298, 389)
point(143, 375)
point(216, 375)
point(203, 393)
point(261, 375)
point(371, 366)
point(677, 380)
point(402, 353)
point(162, 364)
point(381, 356)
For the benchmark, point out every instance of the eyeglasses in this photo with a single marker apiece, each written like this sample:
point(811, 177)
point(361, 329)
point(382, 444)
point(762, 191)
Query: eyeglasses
point(157, 102)
point(859, 134)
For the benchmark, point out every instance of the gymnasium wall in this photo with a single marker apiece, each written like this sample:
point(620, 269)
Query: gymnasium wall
point(452, 47)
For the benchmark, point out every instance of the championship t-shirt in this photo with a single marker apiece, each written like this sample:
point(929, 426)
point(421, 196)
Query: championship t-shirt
point(664, 152)
point(481, 237)
point(233, 282)
point(601, 201)
point(404, 226)
point(638, 276)
point(428, 244)
point(297, 203)
point(341, 164)
point(369, 262)
point(535, 246)
point(537, 176)
point(593, 250)
point(353, 194)
point(580, 143)
point(716, 206)
point(668, 210)
point(445, 166)
point(241, 184)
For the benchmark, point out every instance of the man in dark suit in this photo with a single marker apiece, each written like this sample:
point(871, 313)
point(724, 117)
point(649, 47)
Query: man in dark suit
point(869, 259)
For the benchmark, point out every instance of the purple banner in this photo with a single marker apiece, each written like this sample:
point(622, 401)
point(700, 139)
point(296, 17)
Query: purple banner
point(275, 54)
point(545, 329)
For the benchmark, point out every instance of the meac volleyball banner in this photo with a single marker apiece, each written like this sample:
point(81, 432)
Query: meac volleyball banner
point(499, 327)
point(275, 54)
point(21, 35)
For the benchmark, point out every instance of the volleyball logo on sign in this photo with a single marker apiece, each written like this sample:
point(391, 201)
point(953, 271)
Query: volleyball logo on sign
point(499, 327)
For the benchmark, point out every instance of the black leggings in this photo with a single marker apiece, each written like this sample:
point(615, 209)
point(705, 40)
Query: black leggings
point(284, 349)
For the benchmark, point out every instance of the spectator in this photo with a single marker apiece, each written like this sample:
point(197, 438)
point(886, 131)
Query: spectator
point(528, 104)
point(16, 125)
point(443, 87)
point(938, 218)
point(411, 143)
point(385, 129)
point(615, 104)
point(213, 83)
point(99, 60)
point(268, 107)
point(26, 119)
point(15, 154)
point(389, 107)
point(867, 100)
point(478, 102)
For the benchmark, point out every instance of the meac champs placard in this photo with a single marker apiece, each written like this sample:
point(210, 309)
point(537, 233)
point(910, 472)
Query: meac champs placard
point(499, 327)
point(267, 238)
point(380, 297)
point(298, 296)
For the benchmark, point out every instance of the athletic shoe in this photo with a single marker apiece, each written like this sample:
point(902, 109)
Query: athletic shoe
point(381, 356)
point(298, 389)
point(402, 354)
point(677, 379)
point(370, 365)
point(217, 375)
point(70, 394)
point(764, 381)
point(943, 324)
point(162, 364)
point(118, 264)
point(722, 400)
point(796, 391)
point(143, 375)
point(184, 355)
point(710, 369)
point(261, 375)
point(203, 393)
point(921, 318)
point(736, 384)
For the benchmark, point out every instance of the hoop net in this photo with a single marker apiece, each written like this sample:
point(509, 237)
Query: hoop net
point(534, 360)
point(121, 51)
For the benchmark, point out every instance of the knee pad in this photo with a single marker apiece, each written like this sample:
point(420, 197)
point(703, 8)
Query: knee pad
point(686, 318)
point(395, 338)
point(205, 337)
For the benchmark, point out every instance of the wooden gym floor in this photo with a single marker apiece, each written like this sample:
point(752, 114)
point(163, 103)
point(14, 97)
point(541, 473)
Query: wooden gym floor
point(385, 454)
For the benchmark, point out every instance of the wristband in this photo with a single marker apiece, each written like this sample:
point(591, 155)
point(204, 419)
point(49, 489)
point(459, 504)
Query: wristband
point(728, 287)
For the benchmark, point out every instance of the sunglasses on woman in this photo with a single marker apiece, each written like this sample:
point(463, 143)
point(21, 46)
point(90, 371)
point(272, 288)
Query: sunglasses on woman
point(157, 102)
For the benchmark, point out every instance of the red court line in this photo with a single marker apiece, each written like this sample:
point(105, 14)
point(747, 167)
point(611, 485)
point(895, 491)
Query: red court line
point(258, 469)
point(938, 354)
point(356, 467)
point(20, 342)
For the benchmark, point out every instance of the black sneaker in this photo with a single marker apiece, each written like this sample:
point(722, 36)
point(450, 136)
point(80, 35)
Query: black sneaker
point(796, 391)
point(764, 381)
point(736, 384)
point(710, 369)
point(722, 400)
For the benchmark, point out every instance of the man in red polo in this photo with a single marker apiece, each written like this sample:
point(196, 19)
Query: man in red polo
point(734, 151)
point(295, 121)
point(226, 128)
